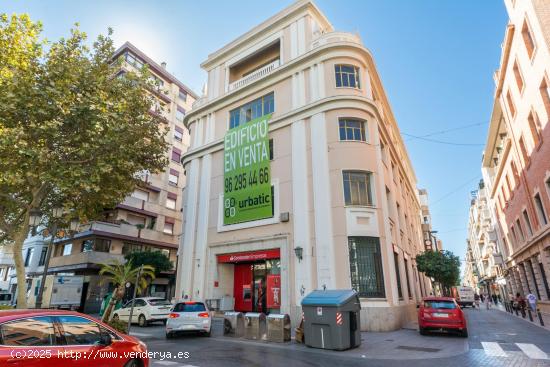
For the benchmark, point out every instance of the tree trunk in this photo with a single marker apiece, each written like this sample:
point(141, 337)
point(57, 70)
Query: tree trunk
point(115, 297)
point(19, 264)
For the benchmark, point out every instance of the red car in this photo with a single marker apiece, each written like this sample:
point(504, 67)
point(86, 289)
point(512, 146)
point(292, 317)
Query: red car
point(52, 338)
point(441, 313)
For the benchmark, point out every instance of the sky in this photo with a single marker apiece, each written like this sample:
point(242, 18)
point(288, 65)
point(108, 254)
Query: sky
point(436, 59)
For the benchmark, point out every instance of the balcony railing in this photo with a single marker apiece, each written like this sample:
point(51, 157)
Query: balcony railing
point(257, 74)
point(333, 37)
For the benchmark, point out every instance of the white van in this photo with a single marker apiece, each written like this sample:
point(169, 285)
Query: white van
point(465, 296)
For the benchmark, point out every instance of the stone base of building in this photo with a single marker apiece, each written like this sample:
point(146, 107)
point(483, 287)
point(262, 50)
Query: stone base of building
point(387, 318)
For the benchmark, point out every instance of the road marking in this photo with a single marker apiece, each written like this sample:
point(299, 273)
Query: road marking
point(493, 349)
point(532, 351)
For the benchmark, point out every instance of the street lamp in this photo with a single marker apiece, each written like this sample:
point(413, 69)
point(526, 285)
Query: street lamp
point(298, 251)
point(35, 217)
point(56, 214)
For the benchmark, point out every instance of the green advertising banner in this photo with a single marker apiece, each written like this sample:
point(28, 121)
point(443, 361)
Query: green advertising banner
point(247, 183)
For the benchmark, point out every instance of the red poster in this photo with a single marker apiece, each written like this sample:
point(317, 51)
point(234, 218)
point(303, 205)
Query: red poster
point(274, 291)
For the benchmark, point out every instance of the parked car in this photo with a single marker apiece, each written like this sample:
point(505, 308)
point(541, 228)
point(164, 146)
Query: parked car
point(146, 310)
point(5, 299)
point(189, 316)
point(33, 338)
point(442, 314)
point(464, 296)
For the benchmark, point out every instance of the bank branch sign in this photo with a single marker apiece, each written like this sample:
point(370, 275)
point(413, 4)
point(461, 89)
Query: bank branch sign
point(247, 183)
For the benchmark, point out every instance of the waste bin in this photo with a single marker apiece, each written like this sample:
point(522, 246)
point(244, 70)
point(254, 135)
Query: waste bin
point(331, 319)
point(278, 328)
point(254, 326)
point(233, 324)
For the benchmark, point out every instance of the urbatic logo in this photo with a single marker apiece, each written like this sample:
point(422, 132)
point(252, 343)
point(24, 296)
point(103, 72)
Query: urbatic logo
point(229, 207)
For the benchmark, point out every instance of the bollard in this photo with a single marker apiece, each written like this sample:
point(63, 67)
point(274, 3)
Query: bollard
point(530, 315)
point(540, 318)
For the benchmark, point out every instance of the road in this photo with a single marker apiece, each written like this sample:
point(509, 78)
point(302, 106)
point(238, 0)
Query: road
point(496, 339)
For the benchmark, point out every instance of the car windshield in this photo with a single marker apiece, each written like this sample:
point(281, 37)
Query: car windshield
point(5, 297)
point(450, 305)
point(189, 307)
point(159, 302)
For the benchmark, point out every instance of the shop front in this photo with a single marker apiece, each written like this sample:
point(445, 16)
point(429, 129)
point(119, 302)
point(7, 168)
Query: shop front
point(257, 280)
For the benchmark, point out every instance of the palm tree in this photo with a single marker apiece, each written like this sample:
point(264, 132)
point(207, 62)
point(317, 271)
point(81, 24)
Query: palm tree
point(120, 274)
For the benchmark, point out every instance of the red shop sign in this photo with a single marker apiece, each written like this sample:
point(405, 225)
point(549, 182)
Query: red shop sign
point(250, 256)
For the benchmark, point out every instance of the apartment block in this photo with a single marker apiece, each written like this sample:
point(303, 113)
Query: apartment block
point(341, 209)
point(516, 160)
point(150, 218)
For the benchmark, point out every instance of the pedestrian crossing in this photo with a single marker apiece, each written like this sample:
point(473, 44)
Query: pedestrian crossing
point(495, 349)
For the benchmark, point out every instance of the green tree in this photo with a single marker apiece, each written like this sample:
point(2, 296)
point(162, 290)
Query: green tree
point(442, 266)
point(119, 274)
point(73, 134)
point(156, 259)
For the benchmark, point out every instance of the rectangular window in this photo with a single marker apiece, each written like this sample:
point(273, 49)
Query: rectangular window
point(178, 133)
point(545, 95)
point(43, 254)
point(28, 256)
point(528, 38)
point(397, 275)
point(515, 172)
point(357, 188)
point(407, 276)
point(133, 60)
point(540, 210)
point(517, 74)
point(180, 114)
point(168, 228)
point(182, 95)
point(171, 203)
point(351, 129)
point(252, 110)
point(176, 154)
point(67, 248)
point(140, 194)
point(511, 105)
point(527, 223)
point(514, 235)
point(173, 177)
point(367, 276)
point(520, 230)
point(523, 149)
point(534, 126)
point(347, 76)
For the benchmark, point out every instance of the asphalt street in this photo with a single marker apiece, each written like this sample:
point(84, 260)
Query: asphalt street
point(496, 339)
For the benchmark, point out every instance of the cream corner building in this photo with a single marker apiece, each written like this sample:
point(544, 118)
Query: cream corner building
point(346, 211)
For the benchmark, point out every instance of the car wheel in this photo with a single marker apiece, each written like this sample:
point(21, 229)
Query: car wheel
point(115, 317)
point(422, 331)
point(164, 321)
point(207, 334)
point(169, 335)
point(464, 333)
point(133, 363)
point(142, 321)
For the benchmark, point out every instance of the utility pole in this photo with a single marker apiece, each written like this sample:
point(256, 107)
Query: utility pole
point(134, 298)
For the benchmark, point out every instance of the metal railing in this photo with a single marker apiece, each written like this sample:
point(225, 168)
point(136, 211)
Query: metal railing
point(257, 74)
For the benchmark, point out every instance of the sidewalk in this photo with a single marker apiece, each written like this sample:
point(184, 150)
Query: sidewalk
point(536, 321)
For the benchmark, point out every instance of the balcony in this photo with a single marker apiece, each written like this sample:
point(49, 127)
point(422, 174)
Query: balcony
point(80, 259)
point(255, 75)
point(333, 37)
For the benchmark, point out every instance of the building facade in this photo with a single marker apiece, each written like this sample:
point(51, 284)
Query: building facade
point(7, 268)
point(516, 160)
point(344, 209)
point(150, 218)
point(484, 259)
point(431, 243)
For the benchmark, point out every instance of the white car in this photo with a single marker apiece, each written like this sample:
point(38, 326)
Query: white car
point(146, 310)
point(189, 316)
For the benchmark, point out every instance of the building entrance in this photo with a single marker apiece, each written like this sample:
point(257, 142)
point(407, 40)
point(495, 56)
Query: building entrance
point(256, 280)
